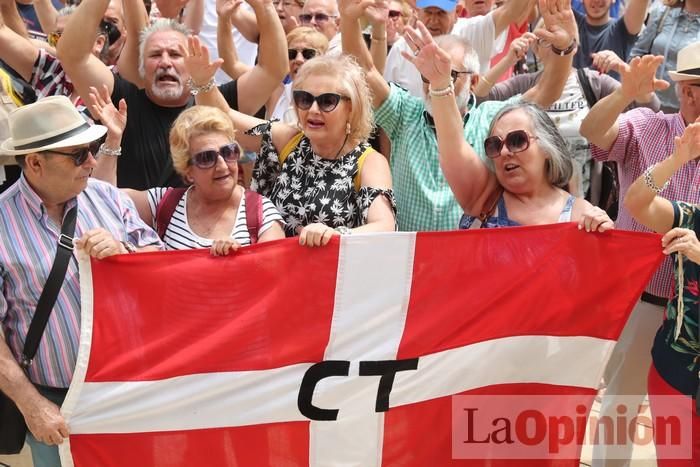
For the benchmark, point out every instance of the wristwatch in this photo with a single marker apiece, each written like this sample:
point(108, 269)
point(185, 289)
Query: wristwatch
point(567, 50)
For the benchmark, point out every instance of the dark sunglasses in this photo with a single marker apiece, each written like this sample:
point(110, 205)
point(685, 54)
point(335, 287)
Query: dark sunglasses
point(80, 155)
point(394, 13)
point(207, 159)
point(111, 30)
point(306, 18)
point(453, 73)
point(516, 141)
point(327, 102)
point(308, 54)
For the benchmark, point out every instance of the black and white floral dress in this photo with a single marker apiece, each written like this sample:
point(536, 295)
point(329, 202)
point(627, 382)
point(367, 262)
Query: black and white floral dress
point(307, 189)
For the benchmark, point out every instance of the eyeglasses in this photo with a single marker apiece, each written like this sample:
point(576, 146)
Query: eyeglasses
point(319, 18)
point(394, 13)
point(516, 141)
point(207, 159)
point(327, 102)
point(308, 54)
point(81, 155)
point(453, 73)
point(111, 30)
point(53, 38)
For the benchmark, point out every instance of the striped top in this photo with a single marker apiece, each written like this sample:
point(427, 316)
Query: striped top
point(179, 235)
point(644, 139)
point(27, 249)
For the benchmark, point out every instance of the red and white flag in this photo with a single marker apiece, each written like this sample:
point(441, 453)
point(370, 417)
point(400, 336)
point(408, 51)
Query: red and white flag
point(281, 355)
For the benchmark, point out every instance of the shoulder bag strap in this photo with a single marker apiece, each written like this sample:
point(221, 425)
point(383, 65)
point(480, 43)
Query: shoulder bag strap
point(47, 299)
point(253, 214)
point(585, 84)
point(166, 208)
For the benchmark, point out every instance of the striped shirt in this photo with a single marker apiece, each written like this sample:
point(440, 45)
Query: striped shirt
point(49, 79)
point(27, 249)
point(644, 139)
point(424, 199)
point(179, 234)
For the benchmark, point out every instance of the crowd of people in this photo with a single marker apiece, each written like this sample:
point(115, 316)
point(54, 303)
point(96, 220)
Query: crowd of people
point(223, 123)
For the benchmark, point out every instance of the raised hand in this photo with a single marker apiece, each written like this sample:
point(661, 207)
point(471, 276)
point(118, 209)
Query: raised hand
point(606, 60)
point(519, 47)
point(560, 24)
point(431, 61)
point(354, 9)
point(103, 109)
point(197, 61)
point(225, 8)
point(377, 12)
point(688, 144)
point(639, 77)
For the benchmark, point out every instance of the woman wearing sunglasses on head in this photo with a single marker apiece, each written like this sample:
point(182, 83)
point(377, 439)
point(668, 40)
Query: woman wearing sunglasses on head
point(322, 175)
point(214, 211)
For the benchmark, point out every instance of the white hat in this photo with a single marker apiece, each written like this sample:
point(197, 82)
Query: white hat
point(687, 64)
point(50, 123)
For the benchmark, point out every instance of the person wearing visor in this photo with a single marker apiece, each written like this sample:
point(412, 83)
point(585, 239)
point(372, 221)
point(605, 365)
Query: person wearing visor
point(321, 174)
point(54, 206)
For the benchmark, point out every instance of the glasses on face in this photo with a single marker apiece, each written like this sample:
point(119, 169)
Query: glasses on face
point(111, 31)
point(53, 38)
point(319, 18)
point(207, 159)
point(393, 14)
point(308, 54)
point(453, 73)
point(327, 102)
point(81, 154)
point(516, 141)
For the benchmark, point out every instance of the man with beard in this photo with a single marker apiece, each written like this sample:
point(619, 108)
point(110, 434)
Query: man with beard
point(423, 197)
point(145, 162)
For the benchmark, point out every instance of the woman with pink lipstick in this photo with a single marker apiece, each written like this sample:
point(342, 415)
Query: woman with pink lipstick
point(322, 174)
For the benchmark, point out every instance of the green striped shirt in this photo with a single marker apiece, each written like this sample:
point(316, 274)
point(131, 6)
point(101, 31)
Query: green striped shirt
point(423, 197)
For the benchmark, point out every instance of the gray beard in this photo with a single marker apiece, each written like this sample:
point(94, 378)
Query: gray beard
point(167, 93)
point(462, 101)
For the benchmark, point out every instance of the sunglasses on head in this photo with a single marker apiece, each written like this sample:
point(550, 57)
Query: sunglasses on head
point(53, 37)
point(207, 159)
point(327, 102)
point(81, 154)
point(516, 141)
point(394, 13)
point(306, 18)
point(453, 73)
point(308, 54)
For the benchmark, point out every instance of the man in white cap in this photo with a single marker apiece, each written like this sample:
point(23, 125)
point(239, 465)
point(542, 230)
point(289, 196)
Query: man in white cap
point(56, 149)
point(637, 140)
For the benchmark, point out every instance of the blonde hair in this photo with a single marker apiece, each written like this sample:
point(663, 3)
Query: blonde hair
point(315, 39)
point(351, 84)
point(196, 121)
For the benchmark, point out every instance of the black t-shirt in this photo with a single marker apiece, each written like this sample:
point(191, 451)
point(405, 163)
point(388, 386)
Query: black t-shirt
point(145, 161)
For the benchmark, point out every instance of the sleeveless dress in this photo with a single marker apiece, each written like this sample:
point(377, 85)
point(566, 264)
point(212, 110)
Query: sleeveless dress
point(307, 189)
point(500, 217)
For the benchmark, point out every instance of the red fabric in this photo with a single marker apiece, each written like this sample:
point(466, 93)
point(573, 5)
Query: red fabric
point(514, 31)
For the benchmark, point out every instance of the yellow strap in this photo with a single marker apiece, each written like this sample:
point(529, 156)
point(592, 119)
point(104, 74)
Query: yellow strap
point(360, 163)
point(289, 147)
point(6, 83)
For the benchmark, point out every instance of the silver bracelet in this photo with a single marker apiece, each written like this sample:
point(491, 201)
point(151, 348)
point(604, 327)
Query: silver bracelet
point(649, 181)
point(116, 152)
point(194, 89)
point(441, 92)
point(342, 230)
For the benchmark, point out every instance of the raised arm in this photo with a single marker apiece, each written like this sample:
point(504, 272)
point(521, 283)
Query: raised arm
point(511, 12)
point(11, 18)
point(46, 13)
point(224, 39)
point(17, 51)
point(518, 49)
point(171, 8)
point(255, 86)
point(638, 79)
point(194, 15)
point(247, 24)
point(354, 44)
point(378, 14)
point(136, 19)
point(635, 13)
point(560, 31)
point(75, 48)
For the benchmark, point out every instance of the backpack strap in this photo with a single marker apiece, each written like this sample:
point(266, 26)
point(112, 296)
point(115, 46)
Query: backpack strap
point(585, 84)
point(253, 214)
point(360, 162)
point(166, 208)
point(289, 147)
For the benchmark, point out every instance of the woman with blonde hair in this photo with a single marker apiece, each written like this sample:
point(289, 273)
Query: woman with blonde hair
point(321, 174)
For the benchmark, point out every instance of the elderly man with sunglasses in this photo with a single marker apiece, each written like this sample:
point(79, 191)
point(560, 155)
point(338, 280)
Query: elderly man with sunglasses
point(424, 199)
point(323, 15)
point(56, 149)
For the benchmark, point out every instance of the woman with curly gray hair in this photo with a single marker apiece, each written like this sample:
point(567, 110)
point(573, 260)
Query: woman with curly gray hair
point(322, 175)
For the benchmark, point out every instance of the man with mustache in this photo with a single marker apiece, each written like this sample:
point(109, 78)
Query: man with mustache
point(166, 92)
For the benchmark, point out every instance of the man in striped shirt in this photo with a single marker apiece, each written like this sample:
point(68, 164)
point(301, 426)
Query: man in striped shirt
point(636, 140)
point(55, 148)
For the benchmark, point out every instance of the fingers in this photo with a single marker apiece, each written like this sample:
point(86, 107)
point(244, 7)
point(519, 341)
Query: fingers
point(224, 247)
point(595, 220)
point(674, 235)
point(314, 235)
point(98, 243)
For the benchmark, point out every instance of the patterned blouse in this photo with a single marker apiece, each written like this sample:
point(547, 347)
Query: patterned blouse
point(307, 189)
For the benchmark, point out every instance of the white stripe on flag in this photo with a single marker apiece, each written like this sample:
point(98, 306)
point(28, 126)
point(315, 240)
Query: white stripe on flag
point(372, 292)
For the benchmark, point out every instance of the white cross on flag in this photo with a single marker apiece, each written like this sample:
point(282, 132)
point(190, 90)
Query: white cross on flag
point(349, 354)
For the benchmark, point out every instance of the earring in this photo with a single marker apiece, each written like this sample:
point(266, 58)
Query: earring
point(347, 128)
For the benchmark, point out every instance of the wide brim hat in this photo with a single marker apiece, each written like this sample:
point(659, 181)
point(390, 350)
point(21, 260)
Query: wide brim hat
point(50, 123)
point(687, 63)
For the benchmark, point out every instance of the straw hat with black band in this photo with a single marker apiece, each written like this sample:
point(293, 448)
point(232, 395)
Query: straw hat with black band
point(687, 63)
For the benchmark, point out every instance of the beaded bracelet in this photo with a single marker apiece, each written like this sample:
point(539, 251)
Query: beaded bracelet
point(446, 91)
point(194, 89)
point(649, 181)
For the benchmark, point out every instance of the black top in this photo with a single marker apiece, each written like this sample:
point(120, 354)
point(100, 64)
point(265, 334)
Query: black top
point(145, 161)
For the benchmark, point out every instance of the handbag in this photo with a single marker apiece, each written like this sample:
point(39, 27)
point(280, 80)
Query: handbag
point(13, 428)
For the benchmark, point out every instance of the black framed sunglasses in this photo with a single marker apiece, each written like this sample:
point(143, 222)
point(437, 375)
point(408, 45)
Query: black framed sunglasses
point(81, 154)
point(454, 74)
point(327, 102)
point(394, 13)
point(207, 159)
point(308, 54)
point(306, 18)
point(111, 31)
point(516, 141)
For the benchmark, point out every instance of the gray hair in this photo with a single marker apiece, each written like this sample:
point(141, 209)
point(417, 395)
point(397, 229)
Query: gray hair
point(471, 58)
point(161, 24)
point(559, 165)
